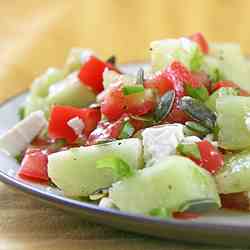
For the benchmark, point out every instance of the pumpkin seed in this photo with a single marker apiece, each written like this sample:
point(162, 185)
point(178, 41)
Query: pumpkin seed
point(165, 105)
point(140, 76)
point(196, 127)
point(198, 111)
point(111, 60)
point(199, 205)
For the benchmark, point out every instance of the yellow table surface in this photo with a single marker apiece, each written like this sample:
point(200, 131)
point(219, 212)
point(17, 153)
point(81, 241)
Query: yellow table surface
point(35, 34)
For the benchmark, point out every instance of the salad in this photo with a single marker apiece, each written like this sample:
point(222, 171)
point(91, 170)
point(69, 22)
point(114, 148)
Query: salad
point(172, 140)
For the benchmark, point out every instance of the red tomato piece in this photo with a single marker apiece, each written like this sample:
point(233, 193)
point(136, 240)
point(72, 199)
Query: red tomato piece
point(161, 83)
point(91, 73)
point(202, 78)
point(211, 159)
point(185, 215)
point(201, 41)
point(229, 84)
point(34, 165)
point(179, 75)
point(116, 104)
point(60, 115)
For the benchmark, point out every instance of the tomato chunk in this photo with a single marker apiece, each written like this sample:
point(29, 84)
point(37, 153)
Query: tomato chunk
point(116, 104)
point(229, 84)
point(91, 73)
point(201, 41)
point(159, 82)
point(60, 116)
point(34, 165)
point(211, 159)
point(180, 76)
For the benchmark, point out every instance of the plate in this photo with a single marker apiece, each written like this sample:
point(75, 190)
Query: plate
point(223, 227)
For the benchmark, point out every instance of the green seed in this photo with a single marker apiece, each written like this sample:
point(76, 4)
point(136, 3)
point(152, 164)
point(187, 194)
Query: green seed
point(165, 105)
point(198, 111)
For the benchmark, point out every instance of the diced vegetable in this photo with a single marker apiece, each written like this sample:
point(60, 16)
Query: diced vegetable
point(116, 104)
point(169, 184)
point(211, 159)
point(223, 91)
point(34, 166)
point(235, 175)
point(70, 92)
point(233, 122)
point(36, 103)
point(40, 86)
point(232, 63)
point(79, 165)
point(59, 127)
point(164, 52)
point(91, 73)
point(160, 82)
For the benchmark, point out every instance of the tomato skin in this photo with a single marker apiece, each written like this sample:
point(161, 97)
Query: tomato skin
point(116, 104)
point(60, 115)
point(34, 165)
point(229, 84)
point(211, 159)
point(201, 41)
point(161, 83)
point(185, 215)
point(203, 78)
point(179, 75)
point(91, 73)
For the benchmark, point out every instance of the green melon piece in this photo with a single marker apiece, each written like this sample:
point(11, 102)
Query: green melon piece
point(235, 175)
point(35, 103)
point(233, 120)
point(75, 172)
point(232, 63)
point(211, 101)
point(70, 92)
point(163, 52)
point(40, 86)
point(168, 184)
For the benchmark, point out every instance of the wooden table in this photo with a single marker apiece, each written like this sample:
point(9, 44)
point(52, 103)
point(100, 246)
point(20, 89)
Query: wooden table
point(35, 34)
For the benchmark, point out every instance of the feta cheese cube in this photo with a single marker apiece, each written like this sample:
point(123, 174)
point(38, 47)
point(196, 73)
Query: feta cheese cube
point(16, 139)
point(161, 141)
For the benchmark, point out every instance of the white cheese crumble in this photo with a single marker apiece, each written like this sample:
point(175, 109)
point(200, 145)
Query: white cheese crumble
point(247, 120)
point(161, 141)
point(16, 139)
point(77, 125)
